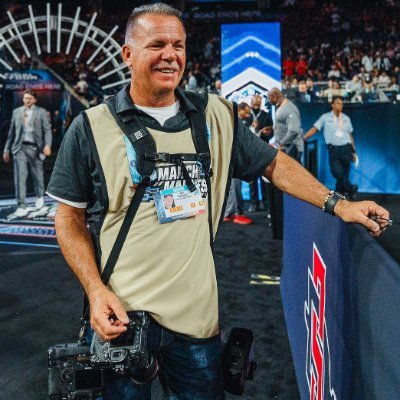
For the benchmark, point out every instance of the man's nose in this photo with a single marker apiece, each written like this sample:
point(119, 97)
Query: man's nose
point(169, 53)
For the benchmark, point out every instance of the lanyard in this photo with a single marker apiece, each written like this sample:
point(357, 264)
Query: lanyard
point(340, 121)
point(255, 116)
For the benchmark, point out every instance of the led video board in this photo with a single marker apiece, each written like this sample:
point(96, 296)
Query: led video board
point(251, 59)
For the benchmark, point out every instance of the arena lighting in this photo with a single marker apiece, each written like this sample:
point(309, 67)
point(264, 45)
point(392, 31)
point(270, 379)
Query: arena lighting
point(18, 34)
point(40, 27)
point(73, 30)
point(59, 27)
point(35, 34)
point(86, 35)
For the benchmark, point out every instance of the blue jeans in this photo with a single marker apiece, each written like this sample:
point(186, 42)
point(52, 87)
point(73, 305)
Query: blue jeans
point(188, 371)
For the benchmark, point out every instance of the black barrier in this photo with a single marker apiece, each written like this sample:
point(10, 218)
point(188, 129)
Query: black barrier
point(377, 138)
point(341, 296)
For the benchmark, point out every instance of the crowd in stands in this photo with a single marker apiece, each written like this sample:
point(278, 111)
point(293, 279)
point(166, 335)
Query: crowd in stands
point(356, 49)
point(334, 48)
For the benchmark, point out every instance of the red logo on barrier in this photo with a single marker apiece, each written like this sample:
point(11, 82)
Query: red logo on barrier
point(318, 357)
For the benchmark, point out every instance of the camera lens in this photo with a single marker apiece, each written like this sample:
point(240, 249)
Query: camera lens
point(66, 376)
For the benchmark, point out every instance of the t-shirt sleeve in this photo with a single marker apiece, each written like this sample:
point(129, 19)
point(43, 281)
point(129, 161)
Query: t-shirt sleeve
point(252, 155)
point(69, 182)
point(350, 126)
point(320, 122)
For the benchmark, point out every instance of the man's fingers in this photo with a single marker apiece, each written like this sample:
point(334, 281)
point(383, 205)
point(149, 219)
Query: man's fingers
point(119, 312)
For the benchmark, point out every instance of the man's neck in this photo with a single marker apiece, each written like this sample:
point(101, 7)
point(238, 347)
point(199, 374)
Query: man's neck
point(336, 113)
point(163, 99)
point(280, 101)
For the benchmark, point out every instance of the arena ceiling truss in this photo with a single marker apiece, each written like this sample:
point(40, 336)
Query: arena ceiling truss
point(35, 34)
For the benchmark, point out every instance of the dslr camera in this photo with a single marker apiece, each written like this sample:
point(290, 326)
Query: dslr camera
point(238, 363)
point(77, 370)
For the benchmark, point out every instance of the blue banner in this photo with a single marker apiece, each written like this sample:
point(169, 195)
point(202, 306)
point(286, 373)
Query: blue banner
point(251, 59)
point(340, 291)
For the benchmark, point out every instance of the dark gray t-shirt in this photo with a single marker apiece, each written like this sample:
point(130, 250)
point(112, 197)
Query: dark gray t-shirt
point(287, 129)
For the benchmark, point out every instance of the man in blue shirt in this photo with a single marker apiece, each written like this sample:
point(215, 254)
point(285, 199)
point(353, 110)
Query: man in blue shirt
point(338, 135)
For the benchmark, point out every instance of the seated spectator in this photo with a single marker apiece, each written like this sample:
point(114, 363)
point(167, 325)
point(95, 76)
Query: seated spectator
point(393, 84)
point(332, 90)
point(353, 86)
point(384, 80)
point(303, 96)
point(370, 93)
point(82, 86)
point(310, 87)
point(288, 67)
point(301, 66)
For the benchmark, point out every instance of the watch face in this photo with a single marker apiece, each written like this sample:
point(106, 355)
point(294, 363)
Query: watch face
point(340, 195)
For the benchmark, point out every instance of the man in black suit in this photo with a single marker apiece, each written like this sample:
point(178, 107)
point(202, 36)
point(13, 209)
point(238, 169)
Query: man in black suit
point(261, 122)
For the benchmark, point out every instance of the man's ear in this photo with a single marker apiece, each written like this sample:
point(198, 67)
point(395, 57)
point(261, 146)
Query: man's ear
point(126, 53)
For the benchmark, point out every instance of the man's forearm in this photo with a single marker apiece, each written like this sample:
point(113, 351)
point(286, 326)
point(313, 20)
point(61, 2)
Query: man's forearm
point(290, 177)
point(77, 246)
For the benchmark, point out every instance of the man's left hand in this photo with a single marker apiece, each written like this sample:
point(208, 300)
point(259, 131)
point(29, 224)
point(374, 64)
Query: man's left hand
point(47, 151)
point(361, 212)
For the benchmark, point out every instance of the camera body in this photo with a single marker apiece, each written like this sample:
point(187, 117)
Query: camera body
point(77, 370)
point(238, 363)
point(71, 374)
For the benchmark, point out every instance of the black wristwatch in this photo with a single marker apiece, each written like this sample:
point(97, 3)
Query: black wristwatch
point(331, 200)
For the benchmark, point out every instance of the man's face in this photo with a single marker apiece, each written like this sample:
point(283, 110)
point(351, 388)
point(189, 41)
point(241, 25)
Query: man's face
point(168, 201)
point(302, 87)
point(337, 105)
point(256, 103)
point(245, 113)
point(28, 100)
point(156, 53)
point(272, 98)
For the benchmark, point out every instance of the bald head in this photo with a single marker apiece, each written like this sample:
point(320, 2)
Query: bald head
point(256, 102)
point(275, 96)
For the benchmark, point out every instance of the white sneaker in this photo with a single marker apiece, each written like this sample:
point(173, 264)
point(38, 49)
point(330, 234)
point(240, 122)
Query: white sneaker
point(39, 213)
point(39, 203)
point(20, 212)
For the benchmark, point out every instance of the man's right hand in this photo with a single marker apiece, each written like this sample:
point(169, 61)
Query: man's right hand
point(6, 157)
point(103, 305)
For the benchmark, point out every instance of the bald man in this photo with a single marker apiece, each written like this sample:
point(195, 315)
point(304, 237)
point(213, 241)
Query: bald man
point(287, 129)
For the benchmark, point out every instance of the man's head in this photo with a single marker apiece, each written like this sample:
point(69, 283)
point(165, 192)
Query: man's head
point(155, 50)
point(275, 96)
point(369, 82)
point(218, 84)
point(309, 83)
point(30, 98)
point(302, 86)
point(244, 111)
point(168, 201)
point(337, 104)
point(256, 103)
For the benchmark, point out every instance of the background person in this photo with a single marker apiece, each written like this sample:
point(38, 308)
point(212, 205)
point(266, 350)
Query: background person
point(287, 130)
point(29, 142)
point(234, 205)
point(263, 126)
point(338, 135)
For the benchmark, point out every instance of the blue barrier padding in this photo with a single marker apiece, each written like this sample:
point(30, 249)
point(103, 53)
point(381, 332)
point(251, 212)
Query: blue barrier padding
point(341, 296)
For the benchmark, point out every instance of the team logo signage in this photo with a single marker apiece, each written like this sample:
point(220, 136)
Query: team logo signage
point(318, 364)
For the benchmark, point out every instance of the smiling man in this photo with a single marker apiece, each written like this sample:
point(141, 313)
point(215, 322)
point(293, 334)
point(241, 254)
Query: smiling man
point(150, 139)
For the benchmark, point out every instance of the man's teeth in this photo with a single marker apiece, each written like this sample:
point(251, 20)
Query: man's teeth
point(168, 70)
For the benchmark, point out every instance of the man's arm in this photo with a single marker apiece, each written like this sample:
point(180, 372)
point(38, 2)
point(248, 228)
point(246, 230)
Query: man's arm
point(290, 177)
point(10, 139)
point(310, 133)
point(77, 248)
point(47, 133)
